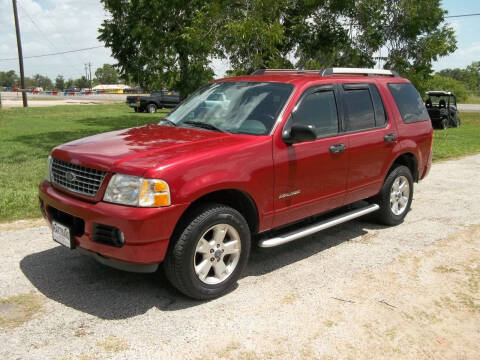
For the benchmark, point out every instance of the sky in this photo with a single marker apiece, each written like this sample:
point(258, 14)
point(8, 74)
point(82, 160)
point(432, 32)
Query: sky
point(49, 26)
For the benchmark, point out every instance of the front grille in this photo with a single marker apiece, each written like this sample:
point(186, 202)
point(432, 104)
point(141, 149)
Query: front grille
point(79, 179)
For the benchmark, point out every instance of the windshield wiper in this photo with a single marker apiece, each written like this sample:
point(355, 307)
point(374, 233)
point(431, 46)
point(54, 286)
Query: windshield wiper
point(170, 122)
point(203, 125)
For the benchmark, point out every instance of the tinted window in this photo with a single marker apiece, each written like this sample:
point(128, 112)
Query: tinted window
point(319, 110)
point(359, 110)
point(409, 102)
point(380, 118)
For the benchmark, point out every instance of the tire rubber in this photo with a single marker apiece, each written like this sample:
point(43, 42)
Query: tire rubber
point(385, 215)
point(150, 105)
point(178, 264)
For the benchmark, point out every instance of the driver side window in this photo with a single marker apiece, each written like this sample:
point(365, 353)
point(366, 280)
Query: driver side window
point(318, 110)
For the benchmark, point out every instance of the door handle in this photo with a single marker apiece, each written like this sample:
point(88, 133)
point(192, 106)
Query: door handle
point(337, 148)
point(390, 137)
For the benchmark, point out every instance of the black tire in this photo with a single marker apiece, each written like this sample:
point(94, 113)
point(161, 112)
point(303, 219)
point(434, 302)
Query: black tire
point(179, 263)
point(386, 215)
point(152, 108)
point(456, 121)
point(135, 109)
point(444, 124)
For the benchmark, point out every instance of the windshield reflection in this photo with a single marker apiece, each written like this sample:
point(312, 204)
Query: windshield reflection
point(236, 107)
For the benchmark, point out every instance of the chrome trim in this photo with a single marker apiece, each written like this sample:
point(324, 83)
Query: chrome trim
point(280, 116)
point(312, 229)
point(76, 178)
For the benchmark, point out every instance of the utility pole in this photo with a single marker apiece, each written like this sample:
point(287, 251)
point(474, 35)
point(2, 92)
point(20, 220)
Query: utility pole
point(20, 55)
point(90, 70)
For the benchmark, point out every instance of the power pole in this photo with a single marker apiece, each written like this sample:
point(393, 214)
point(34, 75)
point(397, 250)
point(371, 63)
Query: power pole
point(20, 55)
point(90, 70)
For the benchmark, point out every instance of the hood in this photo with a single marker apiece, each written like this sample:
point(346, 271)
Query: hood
point(136, 150)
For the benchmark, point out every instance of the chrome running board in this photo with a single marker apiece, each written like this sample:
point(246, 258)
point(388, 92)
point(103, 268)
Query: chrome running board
point(312, 229)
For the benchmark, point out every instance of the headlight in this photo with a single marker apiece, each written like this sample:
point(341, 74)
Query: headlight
point(137, 191)
point(48, 176)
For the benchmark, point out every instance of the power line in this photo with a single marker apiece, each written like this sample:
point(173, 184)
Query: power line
point(464, 15)
point(57, 53)
point(45, 37)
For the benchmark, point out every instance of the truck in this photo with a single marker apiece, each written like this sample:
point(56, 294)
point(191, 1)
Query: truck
point(290, 153)
point(156, 100)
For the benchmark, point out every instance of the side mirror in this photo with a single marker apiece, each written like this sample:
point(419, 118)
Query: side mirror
point(299, 133)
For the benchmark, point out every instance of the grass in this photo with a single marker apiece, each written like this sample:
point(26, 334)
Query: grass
point(28, 135)
point(472, 99)
point(457, 142)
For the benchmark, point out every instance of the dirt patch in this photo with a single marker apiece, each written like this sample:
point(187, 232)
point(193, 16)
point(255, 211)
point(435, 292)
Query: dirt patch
point(18, 309)
point(22, 224)
point(113, 344)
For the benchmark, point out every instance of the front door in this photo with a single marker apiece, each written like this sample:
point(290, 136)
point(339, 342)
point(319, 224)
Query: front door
point(310, 177)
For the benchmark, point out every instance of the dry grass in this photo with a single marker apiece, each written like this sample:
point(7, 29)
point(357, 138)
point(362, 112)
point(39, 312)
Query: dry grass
point(19, 309)
point(113, 344)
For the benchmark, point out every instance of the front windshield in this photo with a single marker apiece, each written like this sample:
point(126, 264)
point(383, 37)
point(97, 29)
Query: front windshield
point(235, 107)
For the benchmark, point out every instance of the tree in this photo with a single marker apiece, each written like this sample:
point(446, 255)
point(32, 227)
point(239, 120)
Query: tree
point(415, 37)
point(44, 82)
point(8, 78)
point(107, 74)
point(82, 82)
point(162, 43)
point(324, 33)
point(442, 83)
point(68, 83)
point(470, 76)
point(60, 83)
point(171, 43)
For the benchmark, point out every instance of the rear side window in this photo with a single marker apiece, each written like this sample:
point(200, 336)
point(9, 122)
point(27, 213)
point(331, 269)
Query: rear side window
point(360, 112)
point(409, 102)
point(380, 117)
point(318, 110)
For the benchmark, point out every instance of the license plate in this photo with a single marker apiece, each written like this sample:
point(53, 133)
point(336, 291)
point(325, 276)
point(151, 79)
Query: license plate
point(61, 234)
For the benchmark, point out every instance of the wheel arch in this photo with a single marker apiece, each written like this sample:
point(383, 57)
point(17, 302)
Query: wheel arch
point(409, 160)
point(235, 198)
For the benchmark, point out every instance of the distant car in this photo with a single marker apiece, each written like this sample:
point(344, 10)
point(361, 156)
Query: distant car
point(156, 100)
point(442, 108)
point(72, 89)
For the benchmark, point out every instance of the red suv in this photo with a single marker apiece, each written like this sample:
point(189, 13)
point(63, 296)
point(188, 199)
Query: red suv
point(272, 149)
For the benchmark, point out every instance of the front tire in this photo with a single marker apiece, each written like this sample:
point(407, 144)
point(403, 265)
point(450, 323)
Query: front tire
point(395, 197)
point(209, 254)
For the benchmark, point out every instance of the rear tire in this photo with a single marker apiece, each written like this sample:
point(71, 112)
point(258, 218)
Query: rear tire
point(152, 108)
point(209, 254)
point(135, 109)
point(444, 124)
point(456, 121)
point(395, 197)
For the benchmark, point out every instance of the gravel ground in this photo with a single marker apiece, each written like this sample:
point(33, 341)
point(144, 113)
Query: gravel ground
point(355, 291)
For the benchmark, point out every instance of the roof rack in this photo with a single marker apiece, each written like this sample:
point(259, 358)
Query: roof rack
point(357, 71)
point(333, 71)
point(296, 71)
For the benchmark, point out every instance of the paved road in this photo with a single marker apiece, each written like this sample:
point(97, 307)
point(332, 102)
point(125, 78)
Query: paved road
point(357, 291)
point(469, 107)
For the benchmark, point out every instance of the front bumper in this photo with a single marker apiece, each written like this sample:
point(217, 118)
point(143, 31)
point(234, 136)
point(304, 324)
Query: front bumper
point(147, 231)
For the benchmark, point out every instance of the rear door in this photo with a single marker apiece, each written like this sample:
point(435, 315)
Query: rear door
point(310, 178)
point(371, 139)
